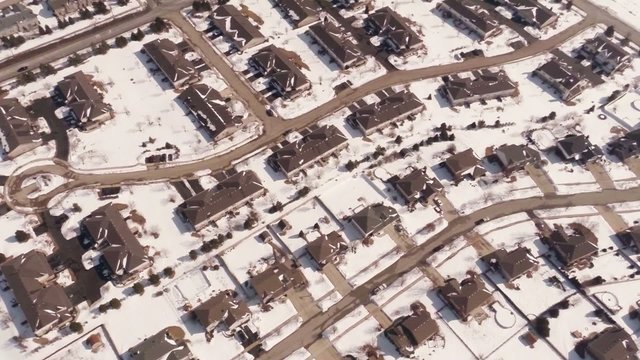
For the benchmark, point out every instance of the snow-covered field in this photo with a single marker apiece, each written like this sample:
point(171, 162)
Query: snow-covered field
point(363, 262)
point(622, 10)
point(620, 298)
point(81, 351)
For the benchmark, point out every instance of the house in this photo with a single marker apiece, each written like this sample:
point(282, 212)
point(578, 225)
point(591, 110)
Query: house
point(84, 101)
point(465, 163)
point(212, 204)
point(17, 129)
point(612, 343)
point(416, 186)
point(45, 304)
point(482, 85)
point(16, 19)
point(276, 280)
point(336, 41)
point(353, 5)
point(168, 344)
point(512, 264)
point(207, 105)
point(399, 37)
point(516, 157)
point(573, 248)
point(578, 148)
point(327, 248)
point(284, 76)
point(222, 308)
point(606, 54)
point(109, 233)
point(373, 219)
point(409, 332)
point(62, 8)
point(299, 12)
point(465, 297)
point(624, 148)
point(563, 78)
point(236, 27)
point(531, 13)
point(631, 237)
point(298, 155)
point(170, 60)
point(394, 107)
point(472, 16)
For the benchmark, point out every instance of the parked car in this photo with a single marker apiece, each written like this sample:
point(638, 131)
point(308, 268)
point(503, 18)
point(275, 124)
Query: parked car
point(483, 220)
point(378, 288)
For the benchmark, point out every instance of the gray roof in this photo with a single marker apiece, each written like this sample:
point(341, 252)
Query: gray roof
point(82, 97)
point(466, 296)
point(221, 308)
point(396, 106)
point(220, 198)
point(43, 301)
point(473, 13)
point(573, 247)
point(374, 217)
point(336, 40)
point(575, 144)
point(513, 263)
point(517, 154)
point(15, 125)
point(299, 10)
point(324, 247)
point(123, 251)
point(236, 26)
point(532, 11)
point(394, 27)
point(463, 161)
point(209, 107)
point(612, 343)
point(166, 54)
point(483, 82)
point(308, 148)
point(15, 14)
point(562, 74)
point(275, 280)
point(161, 346)
point(417, 183)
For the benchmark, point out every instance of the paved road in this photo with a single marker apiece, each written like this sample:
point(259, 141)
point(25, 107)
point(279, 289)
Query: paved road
point(312, 329)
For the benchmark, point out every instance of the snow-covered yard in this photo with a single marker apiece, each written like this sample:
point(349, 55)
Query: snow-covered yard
point(363, 262)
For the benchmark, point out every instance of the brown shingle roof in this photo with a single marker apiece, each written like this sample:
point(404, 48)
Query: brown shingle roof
point(467, 296)
point(416, 184)
point(15, 125)
point(325, 247)
point(167, 56)
point(274, 281)
point(394, 27)
point(462, 162)
point(612, 343)
point(208, 106)
point(374, 217)
point(397, 106)
point(236, 26)
point(221, 308)
point(512, 263)
point(485, 82)
point(82, 97)
point(573, 247)
point(335, 39)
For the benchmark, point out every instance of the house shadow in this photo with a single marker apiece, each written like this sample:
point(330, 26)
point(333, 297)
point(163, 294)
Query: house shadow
point(544, 86)
point(14, 311)
point(452, 22)
point(441, 172)
point(163, 82)
point(319, 52)
point(275, 175)
point(182, 226)
point(553, 157)
point(386, 348)
point(442, 101)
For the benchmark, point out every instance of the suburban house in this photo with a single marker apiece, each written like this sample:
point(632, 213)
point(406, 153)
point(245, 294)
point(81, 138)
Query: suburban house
point(299, 12)
point(45, 304)
point(409, 332)
point(108, 231)
point(563, 78)
point(531, 12)
point(515, 157)
point(399, 37)
point(314, 144)
point(354, 5)
point(236, 27)
point(512, 264)
point(284, 76)
point(17, 18)
point(84, 101)
point(212, 204)
point(222, 308)
point(167, 344)
point(394, 107)
point(373, 219)
point(631, 237)
point(17, 129)
point(61, 8)
point(336, 41)
point(472, 16)
point(465, 297)
point(465, 163)
point(578, 148)
point(624, 148)
point(209, 107)
point(170, 60)
point(416, 186)
point(606, 54)
point(327, 248)
point(276, 280)
point(482, 85)
point(572, 249)
point(612, 343)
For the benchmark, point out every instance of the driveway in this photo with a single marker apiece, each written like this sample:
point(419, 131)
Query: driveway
point(45, 108)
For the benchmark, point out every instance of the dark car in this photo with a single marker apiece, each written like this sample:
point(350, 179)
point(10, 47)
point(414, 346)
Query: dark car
point(480, 221)
point(23, 68)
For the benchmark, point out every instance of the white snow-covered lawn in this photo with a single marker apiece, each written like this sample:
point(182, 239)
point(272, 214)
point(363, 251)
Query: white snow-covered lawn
point(343, 325)
point(515, 345)
point(391, 291)
point(353, 341)
point(351, 196)
point(620, 297)
point(285, 330)
point(300, 354)
point(250, 255)
point(571, 178)
point(363, 262)
point(81, 351)
point(319, 285)
point(521, 233)
point(621, 9)
point(464, 261)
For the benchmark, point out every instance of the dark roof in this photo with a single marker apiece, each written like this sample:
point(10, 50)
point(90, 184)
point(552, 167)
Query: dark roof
point(633, 135)
point(612, 343)
point(274, 281)
point(82, 97)
point(166, 54)
point(209, 107)
point(43, 301)
point(466, 296)
point(603, 46)
point(123, 251)
point(324, 247)
point(473, 13)
point(631, 236)
point(574, 144)
point(394, 27)
point(276, 64)
point(299, 10)
point(15, 125)
point(463, 161)
point(532, 11)
point(15, 14)
point(484, 82)
point(411, 331)
point(219, 308)
point(517, 154)
point(336, 40)
point(573, 247)
point(513, 263)
point(161, 347)
point(374, 217)
point(220, 198)
point(235, 26)
point(308, 148)
point(393, 107)
point(562, 73)
point(417, 183)
point(624, 148)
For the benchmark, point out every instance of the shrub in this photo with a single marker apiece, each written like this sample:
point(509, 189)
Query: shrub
point(100, 8)
point(169, 272)
point(193, 254)
point(76, 327)
point(398, 140)
point(102, 48)
point(22, 236)
point(304, 191)
point(609, 32)
point(123, 2)
point(229, 234)
point(554, 312)
point(74, 59)
point(154, 279)
point(206, 247)
point(138, 288)
point(121, 41)
point(76, 208)
point(3, 258)
point(47, 69)
point(115, 303)
point(249, 224)
point(103, 308)
point(159, 25)
point(26, 77)
point(350, 165)
point(541, 325)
